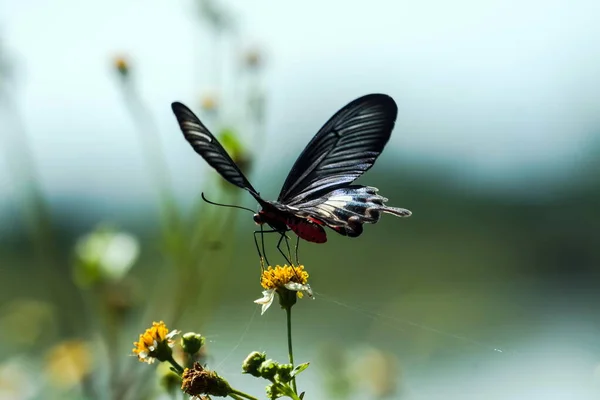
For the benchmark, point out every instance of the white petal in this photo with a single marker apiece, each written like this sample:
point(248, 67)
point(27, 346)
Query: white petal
point(266, 300)
point(171, 334)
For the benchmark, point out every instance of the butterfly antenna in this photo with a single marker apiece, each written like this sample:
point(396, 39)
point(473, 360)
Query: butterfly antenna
point(226, 205)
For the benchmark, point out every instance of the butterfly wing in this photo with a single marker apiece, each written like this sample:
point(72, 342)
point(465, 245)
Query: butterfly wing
point(343, 149)
point(205, 144)
point(346, 209)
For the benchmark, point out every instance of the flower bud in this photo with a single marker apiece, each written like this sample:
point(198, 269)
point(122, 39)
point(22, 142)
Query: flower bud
point(268, 369)
point(191, 342)
point(284, 373)
point(273, 392)
point(253, 362)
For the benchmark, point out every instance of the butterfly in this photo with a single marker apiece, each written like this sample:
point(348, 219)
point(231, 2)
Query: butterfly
point(318, 192)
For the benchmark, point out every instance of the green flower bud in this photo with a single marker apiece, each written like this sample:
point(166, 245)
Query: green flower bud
point(268, 369)
point(191, 342)
point(284, 373)
point(253, 362)
point(273, 392)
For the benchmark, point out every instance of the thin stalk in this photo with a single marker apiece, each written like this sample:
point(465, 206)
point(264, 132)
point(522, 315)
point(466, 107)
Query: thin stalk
point(35, 209)
point(152, 150)
point(286, 390)
point(242, 394)
point(175, 365)
point(288, 313)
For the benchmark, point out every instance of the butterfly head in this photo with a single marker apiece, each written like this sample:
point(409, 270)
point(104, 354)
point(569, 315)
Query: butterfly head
point(258, 219)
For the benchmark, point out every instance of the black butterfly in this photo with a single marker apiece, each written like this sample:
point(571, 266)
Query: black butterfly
point(318, 190)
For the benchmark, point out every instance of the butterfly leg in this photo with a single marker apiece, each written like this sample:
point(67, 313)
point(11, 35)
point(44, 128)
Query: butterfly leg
point(260, 256)
point(289, 252)
point(263, 254)
point(284, 236)
point(296, 249)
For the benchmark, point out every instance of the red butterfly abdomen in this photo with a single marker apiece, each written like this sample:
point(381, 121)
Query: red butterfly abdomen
point(307, 230)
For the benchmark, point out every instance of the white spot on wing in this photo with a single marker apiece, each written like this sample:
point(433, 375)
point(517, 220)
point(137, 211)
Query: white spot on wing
point(201, 135)
point(345, 198)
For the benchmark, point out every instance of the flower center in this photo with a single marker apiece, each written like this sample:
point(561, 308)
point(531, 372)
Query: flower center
point(277, 277)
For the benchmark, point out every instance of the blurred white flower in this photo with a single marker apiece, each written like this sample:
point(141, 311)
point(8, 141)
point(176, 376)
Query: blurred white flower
point(16, 382)
point(106, 253)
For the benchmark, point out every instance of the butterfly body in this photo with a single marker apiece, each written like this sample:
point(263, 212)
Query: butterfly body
point(308, 228)
point(318, 190)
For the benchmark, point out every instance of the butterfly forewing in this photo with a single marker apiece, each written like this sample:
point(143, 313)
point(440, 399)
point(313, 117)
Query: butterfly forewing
point(205, 144)
point(343, 149)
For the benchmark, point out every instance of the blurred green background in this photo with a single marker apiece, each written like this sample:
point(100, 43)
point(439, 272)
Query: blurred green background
point(490, 289)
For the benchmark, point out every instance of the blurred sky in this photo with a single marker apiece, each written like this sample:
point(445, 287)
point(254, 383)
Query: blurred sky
point(496, 91)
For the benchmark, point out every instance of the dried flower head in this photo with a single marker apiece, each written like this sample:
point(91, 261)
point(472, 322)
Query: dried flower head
point(289, 282)
point(155, 343)
point(197, 381)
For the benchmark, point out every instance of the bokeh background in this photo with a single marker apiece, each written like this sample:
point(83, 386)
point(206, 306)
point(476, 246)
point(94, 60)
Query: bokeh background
point(489, 291)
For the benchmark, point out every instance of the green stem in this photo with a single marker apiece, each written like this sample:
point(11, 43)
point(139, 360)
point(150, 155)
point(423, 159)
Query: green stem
point(155, 158)
point(238, 394)
point(288, 313)
point(287, 390)
point(175, 365)
point(36, 212)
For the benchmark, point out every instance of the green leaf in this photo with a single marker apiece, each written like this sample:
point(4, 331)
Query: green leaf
point(299, 369)
point(229, 139)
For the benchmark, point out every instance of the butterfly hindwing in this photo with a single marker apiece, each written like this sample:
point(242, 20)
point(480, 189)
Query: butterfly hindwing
point(205, 144)
point(345, 210)
point(343, 149)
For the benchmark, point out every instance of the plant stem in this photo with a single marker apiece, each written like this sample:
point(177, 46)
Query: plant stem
point(155, 158)
point(175, 365)
point(287, 390)
point(288, 313)
point(241, 394)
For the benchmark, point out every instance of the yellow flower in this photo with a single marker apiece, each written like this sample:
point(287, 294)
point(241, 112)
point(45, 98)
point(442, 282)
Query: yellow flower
point(283, 280)
point(155, 343)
